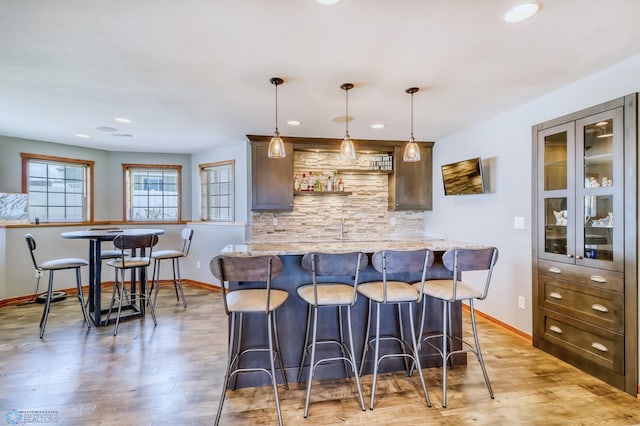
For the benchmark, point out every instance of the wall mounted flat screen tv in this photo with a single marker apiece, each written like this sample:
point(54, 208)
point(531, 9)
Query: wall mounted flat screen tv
point(463, 177)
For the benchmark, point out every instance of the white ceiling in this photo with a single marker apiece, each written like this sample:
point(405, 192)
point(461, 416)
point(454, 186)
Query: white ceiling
point(194, 74)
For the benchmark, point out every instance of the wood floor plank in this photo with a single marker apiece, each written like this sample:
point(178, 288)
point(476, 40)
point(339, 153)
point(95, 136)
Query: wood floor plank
point(172, 374)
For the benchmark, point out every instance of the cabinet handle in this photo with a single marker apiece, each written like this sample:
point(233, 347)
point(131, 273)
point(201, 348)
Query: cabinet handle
point(579, 257)
point(555, 329)
point(599, 346)
point(555, 270)
point(555, 295)
point(598, 307)
point(570, 256)
point(598, 279)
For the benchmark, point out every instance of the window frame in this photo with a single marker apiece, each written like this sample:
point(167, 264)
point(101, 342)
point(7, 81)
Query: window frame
point(126, 168)
point(89, 164)
point(204, 194)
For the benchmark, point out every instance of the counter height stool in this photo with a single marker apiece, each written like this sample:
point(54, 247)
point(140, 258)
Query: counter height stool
point(395, 292)
point(52, 266)
point(344, 267)
point(264, 300)
point(459, 260)
point(174, 255)
point(134, 262)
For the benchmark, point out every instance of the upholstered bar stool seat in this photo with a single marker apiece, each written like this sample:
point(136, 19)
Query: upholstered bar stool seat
point(255, 300)
point(328, 294)
point(397, 291)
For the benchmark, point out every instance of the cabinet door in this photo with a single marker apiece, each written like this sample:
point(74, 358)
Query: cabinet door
point(410, 185)
point(599, 194)
point(271, 179)
point(556, 204)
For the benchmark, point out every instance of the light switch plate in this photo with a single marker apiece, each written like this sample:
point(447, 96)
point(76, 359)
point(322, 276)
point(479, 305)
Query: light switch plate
point(518, 222)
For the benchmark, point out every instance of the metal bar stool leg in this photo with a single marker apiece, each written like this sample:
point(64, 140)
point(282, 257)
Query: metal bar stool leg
point(81, 297)
point(445, 340)
point(342, 345)
point(312, 360)
point(45, 313)
point(404, 358)
point(179, 283)
point(366, 338)
point(478, 351)
point(353, 359)
point(375, 358)
point(227, 372)
point(416, 356)
point(238, 347)
point(305, 347)
point(278, 352)
point(273, 367)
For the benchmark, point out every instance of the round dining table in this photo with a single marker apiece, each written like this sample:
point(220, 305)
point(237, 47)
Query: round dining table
point(96, 237)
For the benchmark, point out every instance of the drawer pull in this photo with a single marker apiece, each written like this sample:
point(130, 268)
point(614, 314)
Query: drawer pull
point(599, 346)
point(556, 295)
point(555, 329)
point(555, 270)
point(598, 279)
point(599, 308)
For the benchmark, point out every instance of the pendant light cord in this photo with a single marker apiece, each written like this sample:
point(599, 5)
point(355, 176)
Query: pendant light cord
point(276, 108)
point(412, 116)
point(346, 116)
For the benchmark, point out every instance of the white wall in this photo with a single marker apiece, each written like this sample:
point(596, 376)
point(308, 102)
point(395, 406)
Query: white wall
point(488, 218)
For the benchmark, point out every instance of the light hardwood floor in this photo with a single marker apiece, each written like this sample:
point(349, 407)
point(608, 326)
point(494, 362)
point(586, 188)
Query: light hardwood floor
point(172, 374)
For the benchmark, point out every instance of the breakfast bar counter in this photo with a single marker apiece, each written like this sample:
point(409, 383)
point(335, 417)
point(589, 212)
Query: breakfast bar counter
point(291, 317)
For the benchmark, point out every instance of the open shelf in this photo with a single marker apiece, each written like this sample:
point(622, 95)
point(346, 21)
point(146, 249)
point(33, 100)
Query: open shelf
point(363, 172)
point(322, 193)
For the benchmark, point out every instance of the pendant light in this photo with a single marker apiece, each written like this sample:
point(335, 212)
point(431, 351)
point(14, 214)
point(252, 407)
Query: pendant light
point(276, 146)
point(347, 149)
point(411, 150)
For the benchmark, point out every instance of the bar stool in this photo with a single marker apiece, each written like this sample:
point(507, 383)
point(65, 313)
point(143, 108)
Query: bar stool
point(52, 266)
point(459, 260)
point(174, 255)
point(136, 262)
point(398, 293)
point(343, 267)
point(260, 270)
point(108, 254)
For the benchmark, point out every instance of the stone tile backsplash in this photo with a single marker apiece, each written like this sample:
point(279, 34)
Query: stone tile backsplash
point(316, 218)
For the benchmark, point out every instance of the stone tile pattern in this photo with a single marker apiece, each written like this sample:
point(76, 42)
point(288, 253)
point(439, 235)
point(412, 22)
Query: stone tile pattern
point(318, 217)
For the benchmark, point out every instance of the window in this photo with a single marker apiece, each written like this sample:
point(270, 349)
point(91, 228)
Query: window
point(217, 191)
point(152, 192)
point(59, 188)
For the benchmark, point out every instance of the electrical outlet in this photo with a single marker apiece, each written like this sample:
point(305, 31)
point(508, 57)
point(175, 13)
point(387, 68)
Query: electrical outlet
point(39, 274)
point(521, 302)
point(518, 222)
point(197, 264)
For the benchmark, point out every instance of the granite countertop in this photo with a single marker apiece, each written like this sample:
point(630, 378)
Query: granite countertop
point(281, 248)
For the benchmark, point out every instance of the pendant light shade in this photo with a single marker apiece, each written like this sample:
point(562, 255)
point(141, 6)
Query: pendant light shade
point(411, 150)
point(347, 149)
point(276, 146)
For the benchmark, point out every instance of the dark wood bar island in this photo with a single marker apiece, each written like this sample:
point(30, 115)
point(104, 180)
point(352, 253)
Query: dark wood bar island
point(291, 317)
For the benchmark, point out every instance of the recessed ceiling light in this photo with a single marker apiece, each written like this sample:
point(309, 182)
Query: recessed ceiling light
point(122, 120)
point(293, 123)
point(377, 126)
point(82, 135)
point(602, 123)
point(122, 135)
point(523, 11)
point(106, 129)
point(328, 2)
point(342, 119)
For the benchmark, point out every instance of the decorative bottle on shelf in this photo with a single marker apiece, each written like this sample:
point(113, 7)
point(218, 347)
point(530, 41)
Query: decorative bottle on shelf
point(318, 184)
point(312, 182)
point(340, 185)
point(296, 183)
point(304, 185)
point(329, 184)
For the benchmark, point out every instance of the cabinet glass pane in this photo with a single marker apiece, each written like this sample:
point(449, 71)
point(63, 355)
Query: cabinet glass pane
point(555, 233)
point(598, 154)
point(598, 227)
point(555, 161)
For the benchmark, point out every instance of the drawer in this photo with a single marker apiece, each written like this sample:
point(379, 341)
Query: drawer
point(602, 308)
point(599, 346)
point(606, 280)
